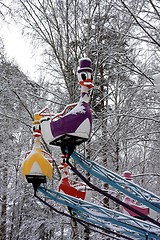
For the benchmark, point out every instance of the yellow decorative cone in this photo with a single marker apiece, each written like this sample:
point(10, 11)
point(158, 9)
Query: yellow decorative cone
point(35, 163)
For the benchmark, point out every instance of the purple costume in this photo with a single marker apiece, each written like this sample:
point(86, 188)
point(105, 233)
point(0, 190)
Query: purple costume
point(69, 123)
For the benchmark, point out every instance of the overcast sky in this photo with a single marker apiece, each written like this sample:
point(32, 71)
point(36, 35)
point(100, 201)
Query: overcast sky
point(19, 49)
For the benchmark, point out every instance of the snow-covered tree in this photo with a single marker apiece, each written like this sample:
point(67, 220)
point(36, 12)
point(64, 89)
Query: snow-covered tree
point(122, 40)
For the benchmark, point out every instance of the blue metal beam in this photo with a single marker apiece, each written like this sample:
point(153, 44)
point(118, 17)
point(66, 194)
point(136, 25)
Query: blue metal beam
point(105, 217)
point(106, 232)
point(121, 184)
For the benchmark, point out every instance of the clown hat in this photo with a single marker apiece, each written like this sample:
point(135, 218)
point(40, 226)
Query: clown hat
point(84, 65)
point(37, 118)
point(128, 175)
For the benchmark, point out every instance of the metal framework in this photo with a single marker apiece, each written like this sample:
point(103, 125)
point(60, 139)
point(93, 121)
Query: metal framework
point(127, 187)
point(104, 217)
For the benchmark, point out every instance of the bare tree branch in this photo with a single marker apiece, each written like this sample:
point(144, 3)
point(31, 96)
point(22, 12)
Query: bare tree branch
point(140, 25)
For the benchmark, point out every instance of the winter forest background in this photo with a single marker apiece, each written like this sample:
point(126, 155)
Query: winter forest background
point(122, 38)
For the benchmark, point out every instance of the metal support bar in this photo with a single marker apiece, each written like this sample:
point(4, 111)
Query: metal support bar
point(84, 223)
point(118, 201)
point(121, 184)
point(105, 217)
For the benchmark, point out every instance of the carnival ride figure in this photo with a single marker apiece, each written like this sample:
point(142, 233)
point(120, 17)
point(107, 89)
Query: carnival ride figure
point(130, 201)
point(73, 188)
point(74, 127)
point(37, 164)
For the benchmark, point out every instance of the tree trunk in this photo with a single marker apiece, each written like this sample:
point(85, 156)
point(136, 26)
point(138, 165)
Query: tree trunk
point(74, 226)
point(4, 205)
